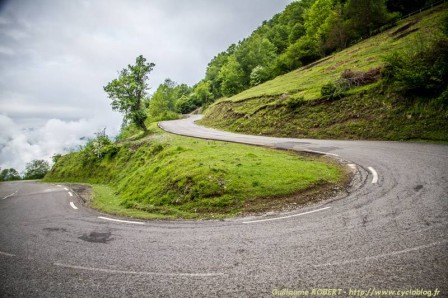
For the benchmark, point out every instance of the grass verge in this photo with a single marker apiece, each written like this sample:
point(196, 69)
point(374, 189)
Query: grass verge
point(164, 176)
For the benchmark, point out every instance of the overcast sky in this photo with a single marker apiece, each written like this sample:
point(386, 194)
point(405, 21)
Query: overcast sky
point(56, 55)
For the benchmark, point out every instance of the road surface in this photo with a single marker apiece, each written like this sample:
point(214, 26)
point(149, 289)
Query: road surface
point(389, 233)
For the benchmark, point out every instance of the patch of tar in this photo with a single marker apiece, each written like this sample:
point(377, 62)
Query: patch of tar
point(97, 237)
point(55, 229)
point(418, 187)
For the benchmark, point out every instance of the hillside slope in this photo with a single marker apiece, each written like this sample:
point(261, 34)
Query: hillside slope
point(292, 104)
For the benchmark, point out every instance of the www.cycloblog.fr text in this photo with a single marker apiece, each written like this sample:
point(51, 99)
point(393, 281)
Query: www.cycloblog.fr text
point(371, 292)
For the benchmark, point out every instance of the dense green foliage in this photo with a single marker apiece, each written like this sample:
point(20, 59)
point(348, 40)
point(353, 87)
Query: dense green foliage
point(36, 169)
point(422, 69)
point(129, 91)
point(167, 176)
point(391, 86)
point(98, 147)
point(9, 175)
point(162, 104)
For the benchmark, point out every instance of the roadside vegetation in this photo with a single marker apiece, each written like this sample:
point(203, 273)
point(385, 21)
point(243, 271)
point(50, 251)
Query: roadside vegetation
point(168, 177)
point(392, 86)
point(9, 174)
point(35, 169)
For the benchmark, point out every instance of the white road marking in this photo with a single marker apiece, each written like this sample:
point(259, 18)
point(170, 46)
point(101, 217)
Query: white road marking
point(65, 188)
point(124, 221)
point(375, 175)
point(114, 271)
point(10, 195)
point(283, 217)
point(73, 206)
point(382, 255)
point(320, 152)
point(70, 194)
point(6, 254)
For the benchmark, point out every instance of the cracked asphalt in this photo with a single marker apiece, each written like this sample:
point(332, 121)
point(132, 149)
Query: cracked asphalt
point(388, 235)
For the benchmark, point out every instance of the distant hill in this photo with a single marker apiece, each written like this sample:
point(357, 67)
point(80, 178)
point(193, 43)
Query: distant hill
point(391, 86)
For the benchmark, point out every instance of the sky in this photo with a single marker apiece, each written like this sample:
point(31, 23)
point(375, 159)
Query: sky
point(56, 56)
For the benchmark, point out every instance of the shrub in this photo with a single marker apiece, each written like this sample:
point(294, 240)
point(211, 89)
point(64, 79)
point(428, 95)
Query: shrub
point(328, 90)
point(294, 102)
point(334, 90)
point(421, 69)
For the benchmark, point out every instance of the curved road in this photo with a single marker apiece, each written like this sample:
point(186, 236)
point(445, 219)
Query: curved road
point(389, 233)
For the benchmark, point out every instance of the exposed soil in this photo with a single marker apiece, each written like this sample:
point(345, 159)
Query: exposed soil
point(83, 191)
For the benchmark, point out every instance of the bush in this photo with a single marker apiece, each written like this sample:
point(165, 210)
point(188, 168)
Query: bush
point(334, 90)
point(420, 70)
point(328, 90)
point(165, 115)
point(187, 104)
point(97, 148)
point(294, 102)
point(259, 75)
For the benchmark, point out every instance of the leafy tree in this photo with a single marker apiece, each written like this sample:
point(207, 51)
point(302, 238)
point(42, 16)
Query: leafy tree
point(282, 64)
point(253, 52)
point(181, 90)
point(186, 104)
point(36, 169)
point(364, 16)
point(202, 94)
point(315, 17)
point(232, 77)
point(9, 175)
point(259, 75)
point(279, 37)
point(129, 91)
point(162, 105)
point(335, 31)
point(213, 69)
point(297, 31)
point(303, 52)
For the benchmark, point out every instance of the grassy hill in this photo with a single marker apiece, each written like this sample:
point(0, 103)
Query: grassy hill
point(292, 105)
point(165, 176)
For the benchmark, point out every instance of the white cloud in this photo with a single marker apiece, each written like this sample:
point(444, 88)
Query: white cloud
point(19, 146)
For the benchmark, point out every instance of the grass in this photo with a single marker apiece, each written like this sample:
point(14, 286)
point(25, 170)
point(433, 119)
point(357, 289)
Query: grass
point(163, 176)
point(291, 105)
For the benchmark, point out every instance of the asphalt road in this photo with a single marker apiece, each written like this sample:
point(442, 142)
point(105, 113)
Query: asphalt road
point(389, 233)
